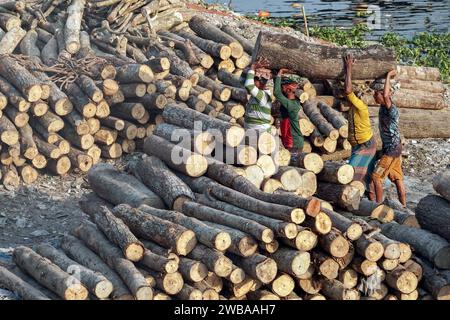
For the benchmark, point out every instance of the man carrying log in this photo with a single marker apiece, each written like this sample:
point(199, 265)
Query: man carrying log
point(259, 107)
point(390, 164)
point(284, 91)
point(360, 133)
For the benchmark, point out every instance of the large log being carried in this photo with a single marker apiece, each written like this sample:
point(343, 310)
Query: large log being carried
point(433, 214)
point(320, 61)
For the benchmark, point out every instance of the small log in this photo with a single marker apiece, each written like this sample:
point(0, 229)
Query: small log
point(342, 195)
point(402, 280)
point(15, 284)
point(335, 244)
point(258, 266)
point(336, 173)
point(192, 270)
point(291, 261)
point(214, 260)
point(49, 275)
point(326, 266)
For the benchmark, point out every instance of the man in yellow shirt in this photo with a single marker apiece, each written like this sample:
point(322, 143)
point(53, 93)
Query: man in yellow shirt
point(360, 133)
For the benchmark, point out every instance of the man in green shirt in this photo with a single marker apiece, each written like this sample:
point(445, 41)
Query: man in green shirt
point(284, 91)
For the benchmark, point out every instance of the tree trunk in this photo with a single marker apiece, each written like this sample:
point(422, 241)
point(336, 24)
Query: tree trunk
point(116, 230)
point(202, 212)
point(192, 270)
point(112, 255)
point(214, 260)
point(441, 184)
point(158, 177)
point(20, 287)
point(350, 229)
point(258, 266)
point(335, 244)
point(280, 228)
point(342, 195)
point(402, 280)
point(117, 187)
point(73, 26)
point(293, 262)
point(326, 128)
point(96, 282)
point(175, 156)
point(325, 265)
point(49, 275)
point(335, 172)
point(433, 247)
point(226, 176)
point(21, 78)
point(323, 61)
point(246, 44)
point(12, 38)
point(243, 201)
point(433, 214)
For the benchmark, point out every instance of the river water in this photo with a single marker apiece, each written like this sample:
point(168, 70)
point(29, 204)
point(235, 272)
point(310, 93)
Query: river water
point(404, 17)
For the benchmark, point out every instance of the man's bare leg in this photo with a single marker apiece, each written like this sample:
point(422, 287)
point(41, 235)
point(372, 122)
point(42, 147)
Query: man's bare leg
point(378, 186)
point(401, 191)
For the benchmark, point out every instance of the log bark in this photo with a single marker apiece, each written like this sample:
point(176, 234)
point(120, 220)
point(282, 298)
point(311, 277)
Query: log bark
point(258, 266)
point(214, 260)
point(210, 236)
point(20, 287)
point(402, 280)
point(202, 212)
point(118, 188)
point(116, 230)
point(226, 176)
point(49, 274)
point(335, 290)
point(95, 282)
point(433, 214)
point(320, 122)
point(213, 48)
point(176, 156)
point(280, 228)
point(192, 270)
point(441, 184)
point(293, 262)
point(342, 195)
point(369, 248)
point(112, 255)
point(158, 177)
point(73, 26)
point(21, 78)
point(11, 40)
point(435, 282)
point(336, 173)
point(335, 118)
point(374, 210)
point(153, 228)
point(248, 45)
point(326, 266)
point(349, 228)
point(433, 247)
point(324, 61)
point(243, 201)
point(335, 244)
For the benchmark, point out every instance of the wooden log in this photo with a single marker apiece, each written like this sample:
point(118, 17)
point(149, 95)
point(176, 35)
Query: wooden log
point(441, 183)
point(185, 161)
point(335, 118)
point(112, 255)
point(115, 229)
point(118, 188)
point(336, 173)
point(369, 248)
point(158, 177)
point(202, 212)
point(342, 195)
point(309, 161)
point(320, 122)
point(293, 262)
point(434, 281)
point(153, 228)
point(372, 62)
point(419, 73)
point(49, 274)
point(15, 284)
point(305, 240)
point(433, 214)
point(258, 266)
point(326, 266)
point(214, 260)
point(95, 282)
point(211, 47)
point(335, 244)
point(374, 210)
point(11, 40)
point(73, 26)
point(189, 293)
point(349, 228)
point(402, 280)
point(280, 228)
point(391, 247)
point(431, 246)
point(243, 201)
point(415, 84)
point(246, 44)
point(335, 290)
point(132, 73)
point(192, 270)
point(226, 176)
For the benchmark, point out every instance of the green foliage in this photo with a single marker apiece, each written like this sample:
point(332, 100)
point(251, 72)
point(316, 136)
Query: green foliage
point(351, 37)
point(276, 22)
point(424, 49)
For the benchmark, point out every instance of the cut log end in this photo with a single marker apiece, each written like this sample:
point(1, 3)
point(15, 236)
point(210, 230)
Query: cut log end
point(297, 215)
point(134, 252)
point(103, 289)
point(76, 292)
point(196, 165)
point(144, 293)
point(186, 242)
point(222, 241)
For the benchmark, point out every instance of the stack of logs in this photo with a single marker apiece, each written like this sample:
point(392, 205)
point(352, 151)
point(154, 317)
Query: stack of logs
point(161, 231)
